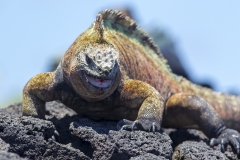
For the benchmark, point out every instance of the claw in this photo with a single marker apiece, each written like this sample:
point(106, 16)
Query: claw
point(53, 137)
point(154, 127)
point(223, 144)
point(122, 128)
point(56, 133)
point(126, 127)
point(133, 125)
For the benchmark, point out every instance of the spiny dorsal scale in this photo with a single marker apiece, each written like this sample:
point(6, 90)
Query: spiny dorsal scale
point(98, 25)
point(109, 18)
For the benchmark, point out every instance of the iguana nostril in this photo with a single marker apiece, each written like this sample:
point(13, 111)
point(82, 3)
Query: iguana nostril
point(106, 72)
point(88, 60)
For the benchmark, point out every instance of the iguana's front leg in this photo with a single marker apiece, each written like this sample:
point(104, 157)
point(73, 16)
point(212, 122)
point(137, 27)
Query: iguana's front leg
point(184, 110)
point(38, 90)
point(149, 103)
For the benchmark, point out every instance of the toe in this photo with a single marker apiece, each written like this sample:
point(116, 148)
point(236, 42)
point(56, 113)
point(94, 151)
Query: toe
point(224, 143)
point(214, 142)
point(126, 127)
point(124, 122)
point(234, 142)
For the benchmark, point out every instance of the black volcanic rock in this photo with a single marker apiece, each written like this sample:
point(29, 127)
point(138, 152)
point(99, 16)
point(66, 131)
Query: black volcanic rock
point(65, 135)
point(110, 144)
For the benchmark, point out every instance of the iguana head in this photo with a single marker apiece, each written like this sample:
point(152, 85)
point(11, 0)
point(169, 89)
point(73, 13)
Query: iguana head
point(95, 71)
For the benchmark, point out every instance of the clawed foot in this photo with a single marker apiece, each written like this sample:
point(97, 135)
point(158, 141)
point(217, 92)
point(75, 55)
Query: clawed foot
point(55, 135)
point(228, 136)
point(137, 125)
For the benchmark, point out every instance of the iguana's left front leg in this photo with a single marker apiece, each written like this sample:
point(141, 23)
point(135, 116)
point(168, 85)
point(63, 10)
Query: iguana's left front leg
point(147, 100)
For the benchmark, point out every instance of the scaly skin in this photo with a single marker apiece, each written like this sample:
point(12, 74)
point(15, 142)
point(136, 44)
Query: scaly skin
point(114, 71)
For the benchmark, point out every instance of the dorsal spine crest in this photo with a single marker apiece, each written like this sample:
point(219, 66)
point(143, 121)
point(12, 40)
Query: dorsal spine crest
point(130, 27)
point(98, 25)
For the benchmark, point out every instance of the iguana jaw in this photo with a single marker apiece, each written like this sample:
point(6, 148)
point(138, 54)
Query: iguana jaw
point(99, 82)
point(93, 88)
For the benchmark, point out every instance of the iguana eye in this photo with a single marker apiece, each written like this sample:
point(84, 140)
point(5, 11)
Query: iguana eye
point(88, 60)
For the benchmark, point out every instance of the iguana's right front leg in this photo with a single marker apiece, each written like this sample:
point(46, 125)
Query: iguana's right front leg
point(147, 100)
point(38, 90)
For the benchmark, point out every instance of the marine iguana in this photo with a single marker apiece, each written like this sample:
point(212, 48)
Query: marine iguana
point(114, 71)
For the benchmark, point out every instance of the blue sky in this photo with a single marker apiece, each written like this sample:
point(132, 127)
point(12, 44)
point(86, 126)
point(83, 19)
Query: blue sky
point(32, 33)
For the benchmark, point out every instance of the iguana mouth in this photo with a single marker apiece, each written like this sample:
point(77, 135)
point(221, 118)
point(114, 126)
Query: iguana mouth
point(98, 82)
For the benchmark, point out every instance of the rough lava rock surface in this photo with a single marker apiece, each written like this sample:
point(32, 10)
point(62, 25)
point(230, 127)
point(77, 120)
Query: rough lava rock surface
point(78, 137)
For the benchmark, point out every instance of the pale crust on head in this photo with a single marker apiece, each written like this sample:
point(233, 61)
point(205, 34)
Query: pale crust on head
point(104, 56)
